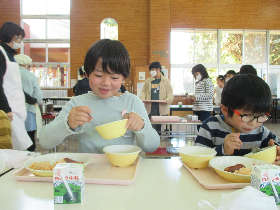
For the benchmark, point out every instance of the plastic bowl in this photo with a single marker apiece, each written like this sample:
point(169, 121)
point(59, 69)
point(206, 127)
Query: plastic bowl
point(112, 130)
point(220, 163)
point(122, 155)
point(267, 154)
point(196, 156)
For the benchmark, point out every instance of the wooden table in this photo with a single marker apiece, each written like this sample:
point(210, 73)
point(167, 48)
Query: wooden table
point(161, 184)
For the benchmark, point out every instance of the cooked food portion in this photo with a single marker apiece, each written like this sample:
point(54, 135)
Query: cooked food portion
point(239, 169)
point(46, 165)
point(232, 169)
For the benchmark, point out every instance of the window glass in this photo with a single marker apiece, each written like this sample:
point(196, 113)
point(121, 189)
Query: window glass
point(182, 47)
point(255, 48)
point(34, 28)
point(231, 47)
point(34, 7)
point(274, 81)
point(109, 29)
point(274, 41)
point(37, 51)
point(59, 53)
point(182, 81)
point(205, 47)
point(61, 7)
point(58, 29)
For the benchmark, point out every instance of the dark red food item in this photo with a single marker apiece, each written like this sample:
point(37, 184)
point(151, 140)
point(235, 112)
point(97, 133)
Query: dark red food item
point(68, 160)
point(232, 169)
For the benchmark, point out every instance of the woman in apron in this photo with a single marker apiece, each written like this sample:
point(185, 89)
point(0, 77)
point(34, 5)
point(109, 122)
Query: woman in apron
point(12, 99)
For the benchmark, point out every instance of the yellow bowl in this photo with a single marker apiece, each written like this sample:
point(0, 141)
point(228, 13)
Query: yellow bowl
point(220, 163)
point(122, 155)
point(52, 158)
point(267, 154)
point(196, 156)
point(112, 130)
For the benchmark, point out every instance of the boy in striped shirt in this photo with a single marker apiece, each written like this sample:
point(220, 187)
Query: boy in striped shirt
point(245, 105)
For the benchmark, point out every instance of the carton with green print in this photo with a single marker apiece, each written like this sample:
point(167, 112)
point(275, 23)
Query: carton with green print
point(263, 175)
point(68, 182)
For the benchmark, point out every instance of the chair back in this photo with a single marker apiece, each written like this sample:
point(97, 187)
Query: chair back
point(5, 131)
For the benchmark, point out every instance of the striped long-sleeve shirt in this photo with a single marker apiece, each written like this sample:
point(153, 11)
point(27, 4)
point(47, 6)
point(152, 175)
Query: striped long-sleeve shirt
point(204, 92)
point(214, 130)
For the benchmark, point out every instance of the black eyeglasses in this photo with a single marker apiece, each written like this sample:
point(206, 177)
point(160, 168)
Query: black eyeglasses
point(249, 117)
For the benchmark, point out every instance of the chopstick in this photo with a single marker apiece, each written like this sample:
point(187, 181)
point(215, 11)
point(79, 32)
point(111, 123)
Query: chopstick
point(5, 172)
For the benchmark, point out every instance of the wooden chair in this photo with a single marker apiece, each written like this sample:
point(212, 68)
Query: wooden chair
point(5, 131)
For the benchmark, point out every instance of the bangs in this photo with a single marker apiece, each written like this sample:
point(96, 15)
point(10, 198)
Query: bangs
point(115, 58)
point(257, 105)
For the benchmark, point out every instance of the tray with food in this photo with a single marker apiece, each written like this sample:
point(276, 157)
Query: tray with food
point(97, 168)
point(226, 172)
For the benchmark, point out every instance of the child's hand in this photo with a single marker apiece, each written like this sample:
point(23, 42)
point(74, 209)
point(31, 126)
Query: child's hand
point(79, 115)
point(232, 142)
point(135, 122)
point(271, 143)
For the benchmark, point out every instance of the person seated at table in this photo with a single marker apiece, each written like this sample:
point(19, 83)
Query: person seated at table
point(248, 69)
point(229, 75)
point(82, 86)
point(245, 106)
point(106, 64)
point(157, 87)
point(218, 89)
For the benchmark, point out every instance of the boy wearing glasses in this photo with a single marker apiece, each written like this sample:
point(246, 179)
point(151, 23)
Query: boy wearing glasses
point(245, 106)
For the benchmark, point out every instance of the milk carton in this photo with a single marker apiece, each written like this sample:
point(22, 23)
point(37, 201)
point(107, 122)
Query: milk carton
point(68, 182)
point(263, 175)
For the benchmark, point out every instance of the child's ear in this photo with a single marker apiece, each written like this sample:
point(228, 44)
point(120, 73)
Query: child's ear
point(224, 110)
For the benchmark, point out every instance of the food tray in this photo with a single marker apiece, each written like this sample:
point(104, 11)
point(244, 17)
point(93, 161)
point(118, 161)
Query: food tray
point(99, 171)
point(208, 178)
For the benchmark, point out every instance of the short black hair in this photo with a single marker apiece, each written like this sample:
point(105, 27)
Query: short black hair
point(232, 72)
point(221, 77)
point(248, 92)
point(114, 55)
point(155, 65)
point(201, 69)
point(248, 69)
point(8, 30)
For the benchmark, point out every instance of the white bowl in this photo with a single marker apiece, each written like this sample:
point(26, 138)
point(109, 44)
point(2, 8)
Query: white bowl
point(122, 155)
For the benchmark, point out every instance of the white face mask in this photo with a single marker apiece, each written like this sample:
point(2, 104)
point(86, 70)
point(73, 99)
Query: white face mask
point(153, 73)
point(17, 45)
point(227, 79)
point(198, 77)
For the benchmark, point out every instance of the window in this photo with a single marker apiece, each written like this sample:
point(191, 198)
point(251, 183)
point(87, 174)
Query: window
point(109, 29)
point(223, 50)
point(47, 41)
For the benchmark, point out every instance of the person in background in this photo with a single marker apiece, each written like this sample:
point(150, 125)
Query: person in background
point(82, 85)
point(229, 75)
point(204, 92)
point(246, 102)
point(122, 89)
point(218, 90)
point(12, 99)
point(248, 69)
point(31, 87)
point(157, 87)
point(107, 65)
